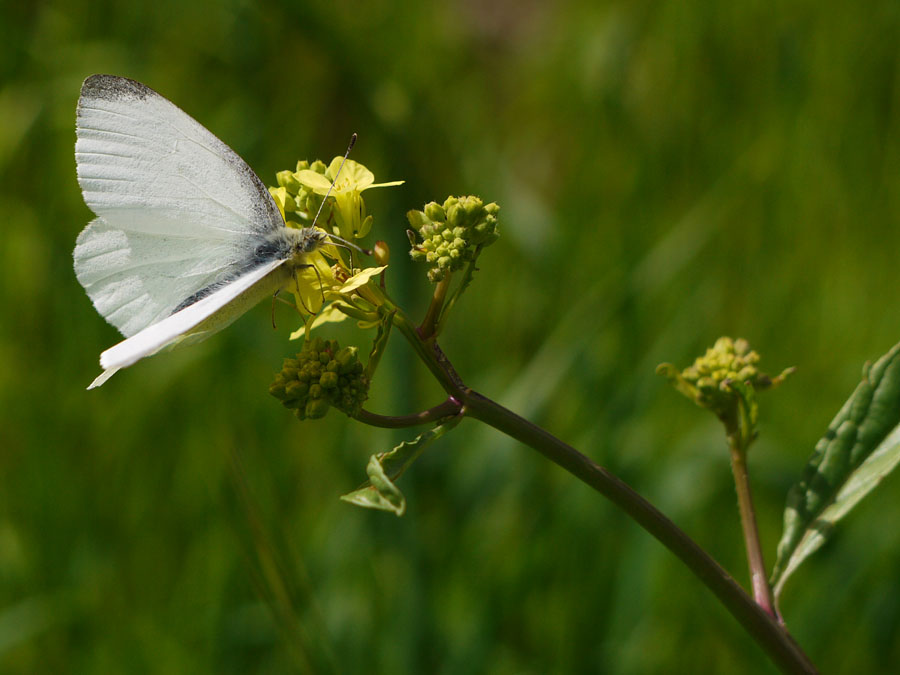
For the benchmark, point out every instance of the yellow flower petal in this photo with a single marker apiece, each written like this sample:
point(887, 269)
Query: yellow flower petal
point(314, 181)
point(279, 196)
point(388, 184)
point(361, 279)
point(330, 314)
point(354, 176)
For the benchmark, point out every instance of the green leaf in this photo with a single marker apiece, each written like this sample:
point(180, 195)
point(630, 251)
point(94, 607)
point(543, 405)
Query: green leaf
point(860, 448)
point(380, 491)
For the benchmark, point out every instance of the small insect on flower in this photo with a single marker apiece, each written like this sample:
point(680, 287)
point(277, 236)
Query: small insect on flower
point(187, 238)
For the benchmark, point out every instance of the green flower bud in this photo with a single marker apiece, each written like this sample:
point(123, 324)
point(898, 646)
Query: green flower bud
point(286, 179)
point(434, 211)
point(452, 234)
point(346, 358)
point(316, 408)
point(455, 215)
point(474, 209)
point(483, 230)
point(296, 389)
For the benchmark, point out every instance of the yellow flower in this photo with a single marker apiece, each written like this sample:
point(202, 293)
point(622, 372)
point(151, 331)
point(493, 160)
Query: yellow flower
point(311, 284)
point(336, 292)
point(354, 179)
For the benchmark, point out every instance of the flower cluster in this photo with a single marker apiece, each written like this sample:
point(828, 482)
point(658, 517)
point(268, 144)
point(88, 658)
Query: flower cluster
point(293, 198)
point(712, 380)
point(725, 361)
point(300, 193)
point(322, 375)
point(452, 234)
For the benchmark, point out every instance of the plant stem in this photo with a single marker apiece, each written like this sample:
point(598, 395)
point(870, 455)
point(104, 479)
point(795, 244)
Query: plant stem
point(447, 408)
point(429, 323)
point(759, 581)
point(761, 625)
point(770, 635)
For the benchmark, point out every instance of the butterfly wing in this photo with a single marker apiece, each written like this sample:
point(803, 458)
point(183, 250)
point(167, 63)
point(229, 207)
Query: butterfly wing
point(199, 319)
point(178, 210)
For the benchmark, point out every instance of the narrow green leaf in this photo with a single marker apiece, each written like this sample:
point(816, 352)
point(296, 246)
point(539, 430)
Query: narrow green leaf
point(860, 448)
point(380, 491)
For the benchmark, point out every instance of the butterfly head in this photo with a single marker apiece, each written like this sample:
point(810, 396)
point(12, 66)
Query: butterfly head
point(308, 240)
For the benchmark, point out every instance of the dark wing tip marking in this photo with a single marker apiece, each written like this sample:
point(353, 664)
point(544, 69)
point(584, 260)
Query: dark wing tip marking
point(116, 88)
point(113, 87)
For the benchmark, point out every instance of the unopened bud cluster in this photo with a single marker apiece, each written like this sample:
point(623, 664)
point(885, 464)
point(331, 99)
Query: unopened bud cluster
point(452, 234)
point(726, 361)
point(299, 199)
point(715, 380)
point(322, 375)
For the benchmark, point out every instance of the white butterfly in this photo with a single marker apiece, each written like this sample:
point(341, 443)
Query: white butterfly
point(187, 238)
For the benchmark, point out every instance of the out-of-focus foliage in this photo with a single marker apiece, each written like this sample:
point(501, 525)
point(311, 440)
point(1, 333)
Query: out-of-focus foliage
point(667, 173)
point(856, 454)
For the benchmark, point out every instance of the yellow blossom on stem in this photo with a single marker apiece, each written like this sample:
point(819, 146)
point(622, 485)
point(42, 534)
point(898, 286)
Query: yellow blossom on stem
point(350, 209)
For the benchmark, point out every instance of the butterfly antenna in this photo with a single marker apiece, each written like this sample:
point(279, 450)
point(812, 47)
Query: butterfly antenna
point(331, 187)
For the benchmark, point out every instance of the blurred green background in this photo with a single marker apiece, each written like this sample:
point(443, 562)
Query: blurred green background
point(667, 174)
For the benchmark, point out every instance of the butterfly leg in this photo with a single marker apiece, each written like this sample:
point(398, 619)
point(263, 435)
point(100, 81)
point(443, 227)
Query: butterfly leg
point(297, 282)
point(274, 295)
